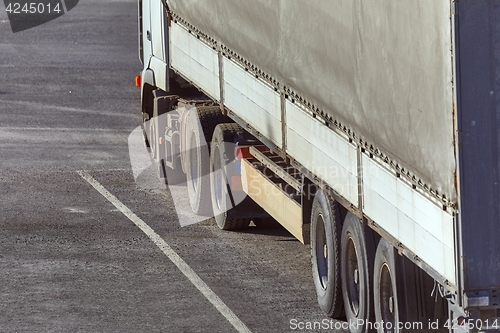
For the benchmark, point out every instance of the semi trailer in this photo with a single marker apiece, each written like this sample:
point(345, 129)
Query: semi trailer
point(368, 129)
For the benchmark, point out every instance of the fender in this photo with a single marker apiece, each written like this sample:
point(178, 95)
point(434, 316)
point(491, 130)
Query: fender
point(148, 84)
point(148, 77)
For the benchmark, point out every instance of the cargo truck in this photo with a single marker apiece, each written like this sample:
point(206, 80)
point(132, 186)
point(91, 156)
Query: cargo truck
point(368, 129)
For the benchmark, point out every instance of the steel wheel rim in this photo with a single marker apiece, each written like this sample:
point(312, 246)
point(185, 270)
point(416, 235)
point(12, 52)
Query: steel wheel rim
point(321, 252)
point(218, 178)
point(352, 276)
point(152, 137)
point(387, 305)
point(193, 163)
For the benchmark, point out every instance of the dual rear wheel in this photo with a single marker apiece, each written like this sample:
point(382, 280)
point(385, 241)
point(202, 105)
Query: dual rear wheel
point(200, 124)
point(223, 169)
point(211, 170)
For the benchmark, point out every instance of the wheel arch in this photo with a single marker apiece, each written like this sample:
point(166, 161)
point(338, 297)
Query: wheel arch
point(148, 85)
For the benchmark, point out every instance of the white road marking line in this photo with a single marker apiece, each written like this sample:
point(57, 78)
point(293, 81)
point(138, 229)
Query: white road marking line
point(64, 6)
point(170, 253)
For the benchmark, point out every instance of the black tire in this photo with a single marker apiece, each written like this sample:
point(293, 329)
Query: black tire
point(157, 130)
point(200, 126)
point(386, 302)
point(145, 129)
point(356, 267)
point(154, 132)
point(158, 127)
point(170, 151)
point(325, 254)
point(147, 112)
point(222, 167)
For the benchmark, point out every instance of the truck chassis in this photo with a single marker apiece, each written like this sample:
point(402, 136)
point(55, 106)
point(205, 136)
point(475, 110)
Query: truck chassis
point(383, 243)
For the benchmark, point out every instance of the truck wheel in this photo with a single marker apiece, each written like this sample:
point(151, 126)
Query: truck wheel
point(385, 288)
point(325, 254)
point(222, 168)
point(145, 129)
point(153, 137)
point(200, 126)
point(356, 266)
point(162, 105)
point(147, 113)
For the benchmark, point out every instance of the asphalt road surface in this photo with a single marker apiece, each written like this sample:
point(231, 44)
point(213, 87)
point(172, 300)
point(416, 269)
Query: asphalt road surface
point(73, 259)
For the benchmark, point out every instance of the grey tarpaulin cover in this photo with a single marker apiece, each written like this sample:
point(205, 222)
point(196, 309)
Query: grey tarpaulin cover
point(381, 67)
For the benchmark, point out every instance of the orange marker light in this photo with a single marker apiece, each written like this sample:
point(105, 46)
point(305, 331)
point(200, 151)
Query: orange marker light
point(138, 81)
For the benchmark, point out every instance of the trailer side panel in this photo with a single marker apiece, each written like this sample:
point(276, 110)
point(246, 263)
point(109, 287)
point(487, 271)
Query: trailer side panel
point(381, 68)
